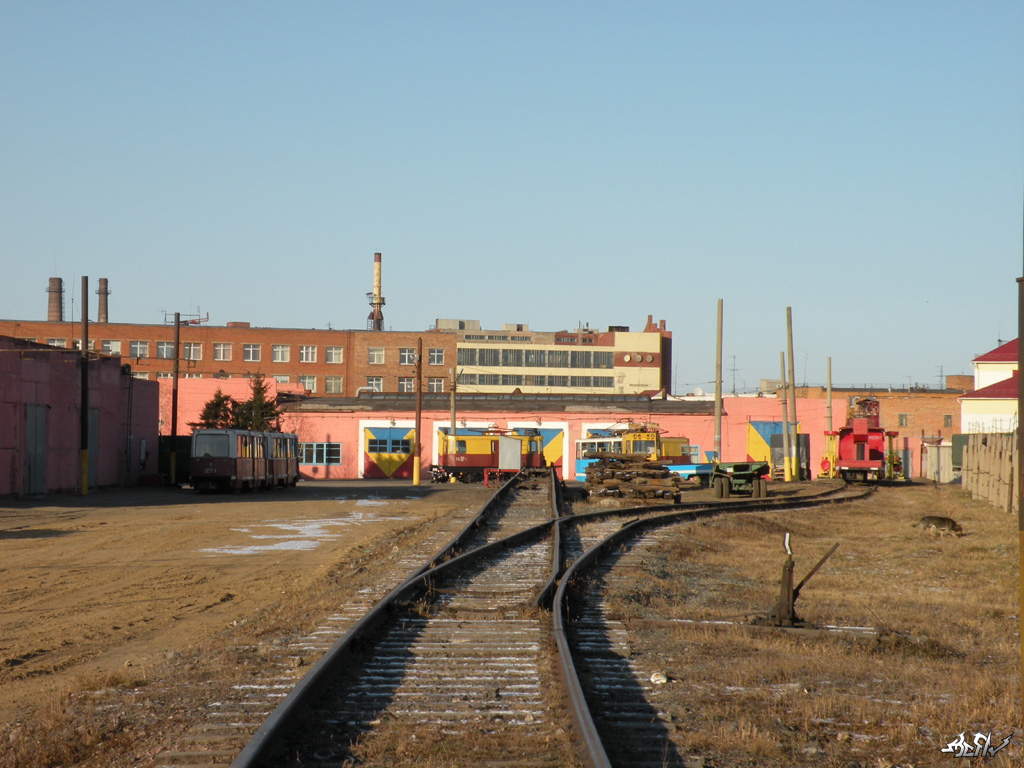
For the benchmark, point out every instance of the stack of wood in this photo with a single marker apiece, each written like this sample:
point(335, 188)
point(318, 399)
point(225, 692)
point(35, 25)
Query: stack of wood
point(627, 476)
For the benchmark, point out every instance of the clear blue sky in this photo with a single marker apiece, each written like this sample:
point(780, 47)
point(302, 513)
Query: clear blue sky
point(537, 162)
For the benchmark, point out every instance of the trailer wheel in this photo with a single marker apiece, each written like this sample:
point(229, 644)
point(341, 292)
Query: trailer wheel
point(760, 488)
point(722, 487)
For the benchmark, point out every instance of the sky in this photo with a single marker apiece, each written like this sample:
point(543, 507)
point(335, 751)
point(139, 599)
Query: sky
point(555, 164)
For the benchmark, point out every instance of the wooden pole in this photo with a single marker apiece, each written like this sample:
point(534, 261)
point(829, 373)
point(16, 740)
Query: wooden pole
point(1019, 474)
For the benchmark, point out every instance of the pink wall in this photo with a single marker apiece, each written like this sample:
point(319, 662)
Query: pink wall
point(127, 408)
point(194, 394)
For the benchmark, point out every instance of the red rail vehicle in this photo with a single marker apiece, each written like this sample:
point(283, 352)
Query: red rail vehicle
point(862, 450)
point(469, 456)
point(238, 459)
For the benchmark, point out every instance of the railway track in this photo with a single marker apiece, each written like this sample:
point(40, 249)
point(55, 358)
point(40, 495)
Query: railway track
point(459, 665)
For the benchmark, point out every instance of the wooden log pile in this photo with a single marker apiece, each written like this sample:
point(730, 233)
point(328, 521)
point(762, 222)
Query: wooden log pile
point(989, 469)
point(628, 477)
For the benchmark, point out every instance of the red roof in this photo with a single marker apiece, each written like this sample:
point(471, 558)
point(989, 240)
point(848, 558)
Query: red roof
point(1007, 353)
point(1001, 390)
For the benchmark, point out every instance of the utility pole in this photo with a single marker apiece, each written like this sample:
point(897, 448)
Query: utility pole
point(718, 386)
point(451, 434)
point(84, 413)
point(419, 413)
point(828, 397)
point(794, 443)
point(174, 399)
point(787, 470)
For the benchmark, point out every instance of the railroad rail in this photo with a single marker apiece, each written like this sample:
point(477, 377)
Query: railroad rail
point(461, 653)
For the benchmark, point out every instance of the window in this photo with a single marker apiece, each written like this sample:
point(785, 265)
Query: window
point(333, 385)
point(57, 342)
point(137, 375)
point(77, 344)
point(191, 350)
point(307, 353)
point(903, 420)
point(466, 378)
point(579, 381)
point(334, 354)
point(383, 445)
point(110, 347)
point(281, 378)
point(489, 379)
point(558, 359)
point(406, 356)
point(280, 353)
point(535, 358)
point(581, 359)
point(375, 355)
point(947, 420)
point(436, 357)
point(405, 384)
point(375, 383)
point(222, 352)
point(511, 380)
point(251, 353)
point(308, 383)
point(466, 356)
point(165, 350)
point(435, 385)
point(603, 360)
point(558, 381)
point(489, 356)
point(138, 349)
point(512, 357)
point(192, 375)
point(604, 381)
point(320, 453)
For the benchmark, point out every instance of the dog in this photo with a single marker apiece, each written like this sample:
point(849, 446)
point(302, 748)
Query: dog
point(939, 525)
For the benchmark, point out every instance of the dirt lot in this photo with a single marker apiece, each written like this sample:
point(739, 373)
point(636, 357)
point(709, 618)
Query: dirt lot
point(136, 589)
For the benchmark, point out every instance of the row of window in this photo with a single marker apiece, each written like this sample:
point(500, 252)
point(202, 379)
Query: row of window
point(519, 380)
point(251, 353)
point(333, 385)
point(535, 358)
point(903, 420)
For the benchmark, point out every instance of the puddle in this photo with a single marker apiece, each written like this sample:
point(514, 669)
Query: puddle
point(297, 535)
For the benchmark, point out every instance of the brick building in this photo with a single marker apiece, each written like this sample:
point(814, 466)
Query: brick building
point(321, 361)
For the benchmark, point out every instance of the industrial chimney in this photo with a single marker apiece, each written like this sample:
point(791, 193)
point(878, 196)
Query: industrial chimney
point(375, 320)
point(102, 292)
point(55, 308)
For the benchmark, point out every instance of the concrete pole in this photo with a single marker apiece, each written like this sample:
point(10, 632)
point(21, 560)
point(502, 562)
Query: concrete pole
point(83, 463)
point(419, 413)
point(787, 469)
point(718, 385)
point(828, 396)
point(451, 435)
point(794, 444)
point(174, 399)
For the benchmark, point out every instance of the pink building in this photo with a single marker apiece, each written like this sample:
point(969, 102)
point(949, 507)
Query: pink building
point(40, 425)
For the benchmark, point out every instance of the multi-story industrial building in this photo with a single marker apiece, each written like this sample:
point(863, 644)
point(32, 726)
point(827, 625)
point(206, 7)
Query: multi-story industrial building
point(345, 362)
point(615, 361)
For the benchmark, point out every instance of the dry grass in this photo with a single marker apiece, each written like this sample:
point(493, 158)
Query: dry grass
point(946, 658)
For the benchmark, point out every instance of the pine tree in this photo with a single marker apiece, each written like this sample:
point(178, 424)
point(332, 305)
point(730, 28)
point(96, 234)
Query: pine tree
point(258, 413)
point(218, 413)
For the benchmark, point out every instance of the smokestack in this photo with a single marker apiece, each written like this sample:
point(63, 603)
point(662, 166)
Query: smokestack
point(102, 292)
point(55, 308)
point(375, 320)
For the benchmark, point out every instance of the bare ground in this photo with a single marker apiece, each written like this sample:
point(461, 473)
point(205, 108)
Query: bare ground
point(123, 612)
